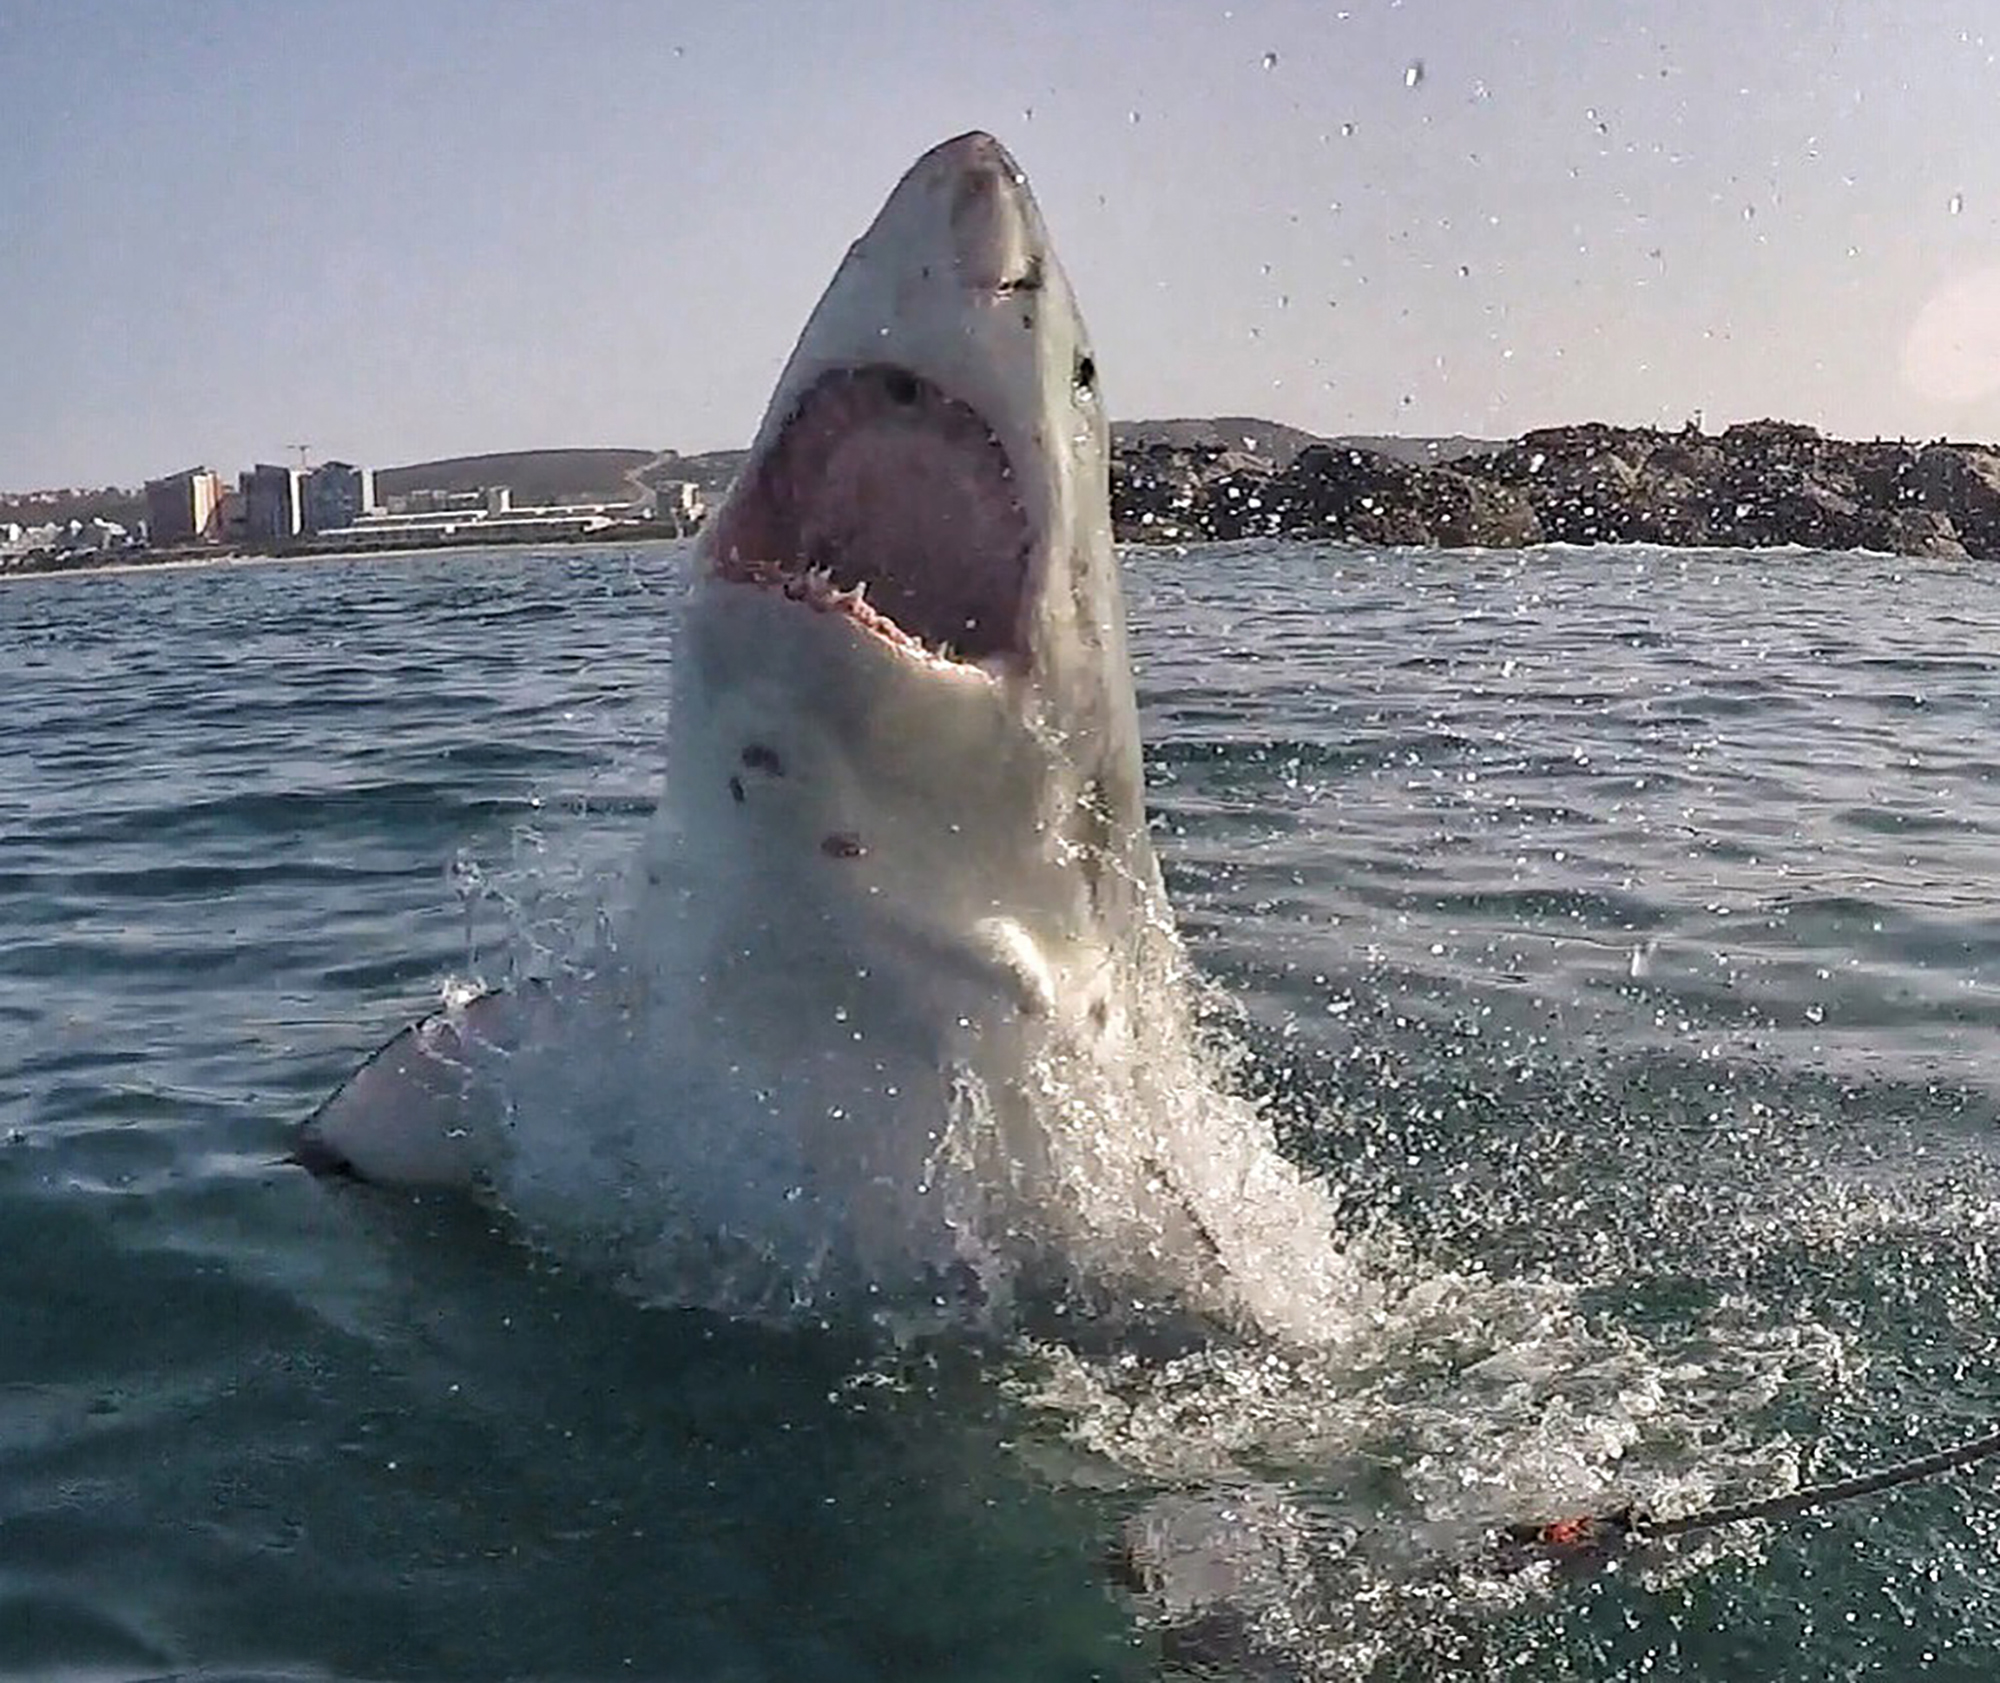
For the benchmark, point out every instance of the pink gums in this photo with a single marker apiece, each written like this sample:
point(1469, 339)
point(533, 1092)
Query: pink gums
point(880, 486)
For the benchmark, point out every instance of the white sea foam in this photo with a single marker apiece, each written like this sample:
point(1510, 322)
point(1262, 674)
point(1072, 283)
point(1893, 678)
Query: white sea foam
point(1315, 1425)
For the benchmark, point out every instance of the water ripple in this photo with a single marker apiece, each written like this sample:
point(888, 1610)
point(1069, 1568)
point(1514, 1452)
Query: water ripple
point(1615, 927)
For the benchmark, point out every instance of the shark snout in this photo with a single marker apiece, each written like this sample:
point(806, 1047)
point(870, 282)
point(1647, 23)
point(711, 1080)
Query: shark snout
point(994, 232)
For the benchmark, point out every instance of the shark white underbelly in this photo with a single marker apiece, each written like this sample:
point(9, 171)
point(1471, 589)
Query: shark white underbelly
point(897, 1004)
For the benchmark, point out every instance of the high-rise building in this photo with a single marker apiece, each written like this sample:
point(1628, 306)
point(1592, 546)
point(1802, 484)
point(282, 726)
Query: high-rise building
point(337, 494)
point(229, 515)
point(273, 511)
point(181, 507)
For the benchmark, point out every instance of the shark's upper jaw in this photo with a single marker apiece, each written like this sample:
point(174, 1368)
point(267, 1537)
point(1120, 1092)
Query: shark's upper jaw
point(886, 499)
point(915, 468)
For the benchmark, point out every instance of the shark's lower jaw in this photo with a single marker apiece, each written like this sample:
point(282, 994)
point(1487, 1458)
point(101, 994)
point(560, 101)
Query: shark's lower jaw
point(885, 499)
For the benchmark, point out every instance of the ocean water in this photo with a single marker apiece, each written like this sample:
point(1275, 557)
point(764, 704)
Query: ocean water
point(1614, 930)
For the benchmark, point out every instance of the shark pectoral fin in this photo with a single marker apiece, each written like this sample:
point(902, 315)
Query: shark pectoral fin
point(1010, 951)
point(424, 1110)
point(996, 955)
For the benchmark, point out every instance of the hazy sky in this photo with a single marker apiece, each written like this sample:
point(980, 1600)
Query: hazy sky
point(427, 227)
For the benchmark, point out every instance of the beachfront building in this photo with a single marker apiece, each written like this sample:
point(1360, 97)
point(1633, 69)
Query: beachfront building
point(428, 499)
point(180, 508)
point(96, 535)
point(273, 504)
point(229, 516)
point(496, 520)
point(679, 503)
point(337, 494)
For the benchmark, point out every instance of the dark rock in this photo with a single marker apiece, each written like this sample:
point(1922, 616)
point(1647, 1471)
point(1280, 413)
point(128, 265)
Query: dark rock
point(1759, 484)
point(1962, 482)
point(1160, 491)
point(1370, 498)
point(1917, 531)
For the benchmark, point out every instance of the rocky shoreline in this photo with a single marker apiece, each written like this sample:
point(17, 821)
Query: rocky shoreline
point(1755, 486)
point(1759, 485)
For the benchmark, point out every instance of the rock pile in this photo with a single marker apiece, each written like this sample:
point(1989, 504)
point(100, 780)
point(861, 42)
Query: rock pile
point(1756, 485)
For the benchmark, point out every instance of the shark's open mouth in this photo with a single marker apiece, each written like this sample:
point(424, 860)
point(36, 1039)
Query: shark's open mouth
point(886, 499)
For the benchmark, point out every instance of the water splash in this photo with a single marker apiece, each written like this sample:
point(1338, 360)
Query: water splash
point(1519, 1285)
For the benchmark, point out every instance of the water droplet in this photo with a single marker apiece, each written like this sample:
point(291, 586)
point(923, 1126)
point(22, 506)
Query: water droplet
point(1464, 271)
point(1270, 61)
point(1346, 131)
point(1413, 73)
point(1957, 203)
point(1132, 117)
point(1027, 113)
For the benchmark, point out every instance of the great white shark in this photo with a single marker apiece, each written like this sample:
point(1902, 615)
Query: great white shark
point(897, 948)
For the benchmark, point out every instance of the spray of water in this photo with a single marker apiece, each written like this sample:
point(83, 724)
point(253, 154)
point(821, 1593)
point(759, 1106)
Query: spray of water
point(1107, 1177)
point(1311, 1419)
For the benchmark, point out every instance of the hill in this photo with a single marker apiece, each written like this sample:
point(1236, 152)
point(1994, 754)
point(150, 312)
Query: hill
point(1279, 444)
point(534, 476)
point(1276, 442)
point(712, 470)
point(1419, 452)
point(124, 504)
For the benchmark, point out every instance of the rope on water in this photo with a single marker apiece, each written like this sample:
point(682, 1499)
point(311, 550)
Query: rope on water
point(1584, 1534)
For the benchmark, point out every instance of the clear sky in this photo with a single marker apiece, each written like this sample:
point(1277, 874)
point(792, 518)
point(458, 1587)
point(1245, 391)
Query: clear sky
point(424, 227)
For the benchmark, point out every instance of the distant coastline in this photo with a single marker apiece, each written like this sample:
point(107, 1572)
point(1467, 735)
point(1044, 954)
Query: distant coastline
point(216, 554)
point(1756, 485)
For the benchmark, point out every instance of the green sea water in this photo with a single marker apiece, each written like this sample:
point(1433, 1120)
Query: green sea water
point(1615, 929)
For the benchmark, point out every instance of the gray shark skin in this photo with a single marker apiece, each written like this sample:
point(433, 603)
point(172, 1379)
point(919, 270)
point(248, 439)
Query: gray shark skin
point(897, 947)
point(897, 1013)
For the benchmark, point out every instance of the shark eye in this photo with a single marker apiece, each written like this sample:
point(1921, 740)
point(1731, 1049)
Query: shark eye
point(1086, 375)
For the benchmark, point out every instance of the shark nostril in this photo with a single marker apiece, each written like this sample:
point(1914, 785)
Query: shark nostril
point(1028, 280)
point(901, 385)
